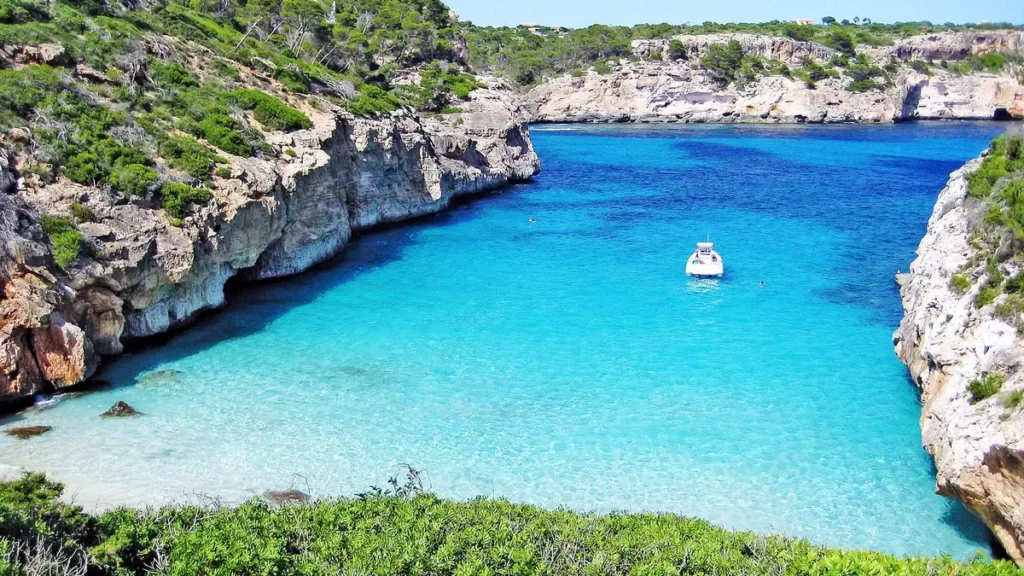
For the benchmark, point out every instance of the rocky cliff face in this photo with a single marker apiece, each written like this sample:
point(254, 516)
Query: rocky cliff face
point(947, 342)
point(781, 48)
point(681, 91)
point(957, 45)
point(271, 217)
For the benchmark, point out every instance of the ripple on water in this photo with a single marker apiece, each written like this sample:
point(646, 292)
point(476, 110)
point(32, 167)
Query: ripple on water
point(568, 361)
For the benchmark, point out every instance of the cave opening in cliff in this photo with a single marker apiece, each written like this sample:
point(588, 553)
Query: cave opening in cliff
point(1002, 115)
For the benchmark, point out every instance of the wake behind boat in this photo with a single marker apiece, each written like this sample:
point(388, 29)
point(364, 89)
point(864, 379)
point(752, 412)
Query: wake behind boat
point(705, 262)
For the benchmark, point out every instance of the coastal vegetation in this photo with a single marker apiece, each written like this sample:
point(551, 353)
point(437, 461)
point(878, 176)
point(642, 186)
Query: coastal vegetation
point(64, 237)
point(528, 55)
point(151, 103)
point(402, 530)
point(998, 266)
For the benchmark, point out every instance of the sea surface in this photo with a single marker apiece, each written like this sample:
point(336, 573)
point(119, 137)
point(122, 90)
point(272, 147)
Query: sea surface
point(569, 361)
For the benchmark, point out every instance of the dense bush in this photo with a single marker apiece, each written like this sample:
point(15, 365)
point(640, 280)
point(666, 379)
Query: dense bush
point(372, 101)
point(172, 74)
point(133, 179)
point(960, 283)
point(65, 239)
point(866, 75)
point(407, 532)
point(176, 198)
point(677, 50)
point(189, 155)
point(269, 111)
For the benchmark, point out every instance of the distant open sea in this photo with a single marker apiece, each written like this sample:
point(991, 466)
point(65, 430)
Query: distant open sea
point(569, 362)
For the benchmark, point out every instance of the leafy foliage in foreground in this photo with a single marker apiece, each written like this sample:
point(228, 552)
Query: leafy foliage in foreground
point(403, 531)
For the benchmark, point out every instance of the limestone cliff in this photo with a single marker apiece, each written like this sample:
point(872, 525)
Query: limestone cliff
point(272, 216)
point(664, 90)
point(948, 342)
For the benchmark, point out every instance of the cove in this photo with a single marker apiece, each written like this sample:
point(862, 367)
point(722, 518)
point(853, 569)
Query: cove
point(568, 361)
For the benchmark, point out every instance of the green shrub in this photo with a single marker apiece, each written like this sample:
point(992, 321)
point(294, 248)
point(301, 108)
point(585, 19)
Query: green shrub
point(223, 172)
point(31, 512)
point(723, 61)
point(814, 71)
point(372, 101)
point(1013, 399)
point(65, 239)
point(21, 11)
point(866, 75)
point(602, 67)
point(172, 74)
point(677, 50)
point(269, 111)
point(986, 296)
point(133, 179)
point(1014, 284)
point(960, 283)
point(82, 213)
point(799, 33)
point(290, 152)
point(405, 531)
point(225, 133)
point(921, 66)
point(188, 154)
point(577, 73)
point(176, 198)
point(842, 41)
point(985, 387)
point(22, 90)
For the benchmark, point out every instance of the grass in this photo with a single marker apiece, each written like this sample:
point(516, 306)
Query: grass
point(403, 531)
point(65, 239)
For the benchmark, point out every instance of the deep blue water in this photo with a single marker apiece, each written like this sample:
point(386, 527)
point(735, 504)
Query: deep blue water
point(569, 362)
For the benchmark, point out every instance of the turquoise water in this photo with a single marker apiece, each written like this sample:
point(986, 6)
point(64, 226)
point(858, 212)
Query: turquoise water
point(569, 362)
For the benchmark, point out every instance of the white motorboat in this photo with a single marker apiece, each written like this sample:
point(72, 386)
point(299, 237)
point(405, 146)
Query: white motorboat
point(705, 262)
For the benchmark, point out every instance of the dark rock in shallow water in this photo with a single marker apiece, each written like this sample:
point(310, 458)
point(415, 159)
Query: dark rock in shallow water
point(120, 410)
point(290, 496)
point(26, 432)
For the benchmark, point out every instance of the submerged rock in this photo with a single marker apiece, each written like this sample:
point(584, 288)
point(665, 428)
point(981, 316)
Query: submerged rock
point(120, 410)
point(290, 496)
point(25, 432)
point(159, 378)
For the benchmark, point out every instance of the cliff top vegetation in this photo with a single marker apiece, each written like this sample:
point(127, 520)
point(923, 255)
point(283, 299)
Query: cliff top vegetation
point(528, 55)
point(403, 531)
point(997, 267)
point(151, 101)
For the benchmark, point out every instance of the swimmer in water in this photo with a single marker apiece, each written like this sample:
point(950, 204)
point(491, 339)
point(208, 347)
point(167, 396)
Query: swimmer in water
point(532, 220)
point(762, 283)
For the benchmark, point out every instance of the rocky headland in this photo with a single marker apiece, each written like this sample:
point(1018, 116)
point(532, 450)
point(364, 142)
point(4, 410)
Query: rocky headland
point(141, 274)
point(656, 88)
point(965, 352)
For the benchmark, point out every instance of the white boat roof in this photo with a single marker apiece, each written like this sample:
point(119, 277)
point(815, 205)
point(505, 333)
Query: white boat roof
point(705, 244)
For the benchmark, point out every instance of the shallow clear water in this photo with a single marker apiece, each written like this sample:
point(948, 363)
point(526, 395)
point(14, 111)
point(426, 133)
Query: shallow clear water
point(569, 361)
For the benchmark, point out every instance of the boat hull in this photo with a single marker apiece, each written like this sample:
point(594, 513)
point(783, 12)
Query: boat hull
point(706, 270)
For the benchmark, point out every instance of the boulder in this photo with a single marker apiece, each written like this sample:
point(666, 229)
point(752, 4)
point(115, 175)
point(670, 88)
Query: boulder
point(120, 410)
